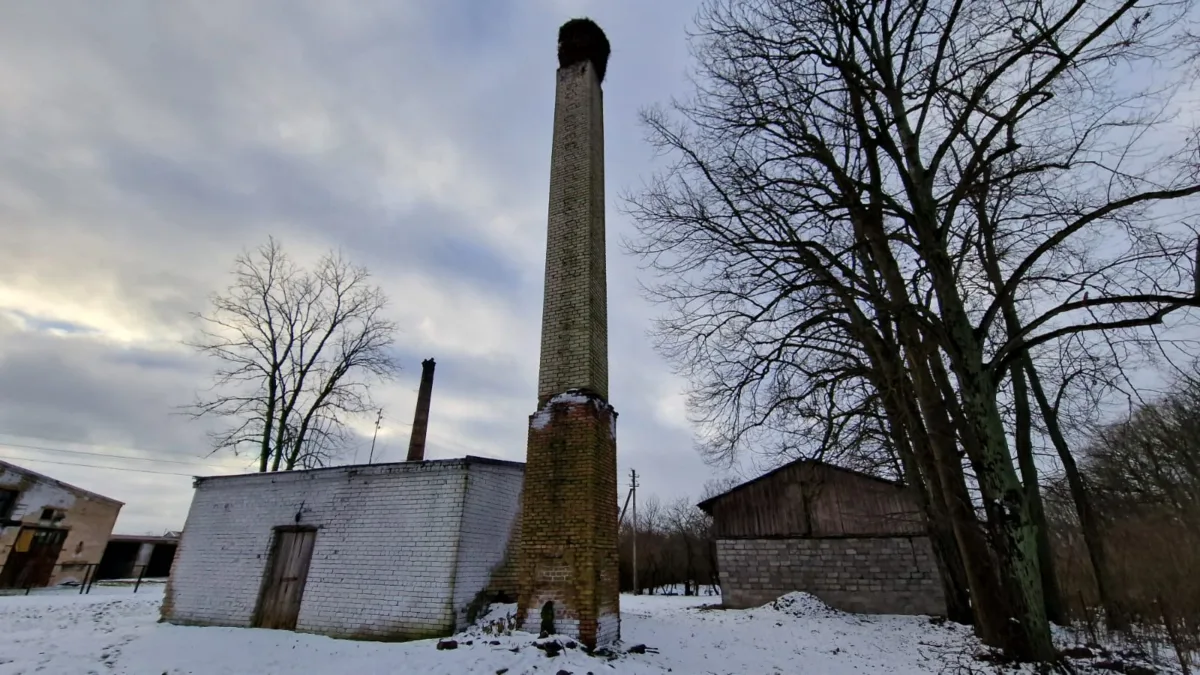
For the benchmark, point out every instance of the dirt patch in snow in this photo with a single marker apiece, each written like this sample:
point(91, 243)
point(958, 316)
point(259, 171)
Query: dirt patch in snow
point(802, 605)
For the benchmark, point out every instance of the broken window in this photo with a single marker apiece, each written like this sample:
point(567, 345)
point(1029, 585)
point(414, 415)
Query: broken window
point(53, 515)
point(8, 500)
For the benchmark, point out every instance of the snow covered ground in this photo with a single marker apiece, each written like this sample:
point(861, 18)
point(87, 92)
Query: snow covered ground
point(114, 631)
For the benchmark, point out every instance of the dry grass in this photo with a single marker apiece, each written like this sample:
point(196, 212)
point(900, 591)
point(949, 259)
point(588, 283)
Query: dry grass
point(1155, 567)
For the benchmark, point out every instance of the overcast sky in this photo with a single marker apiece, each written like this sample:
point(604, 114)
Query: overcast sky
point(144, 144)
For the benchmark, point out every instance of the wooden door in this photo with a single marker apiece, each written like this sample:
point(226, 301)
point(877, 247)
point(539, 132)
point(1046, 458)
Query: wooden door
point(279, 606)
point(31, 561)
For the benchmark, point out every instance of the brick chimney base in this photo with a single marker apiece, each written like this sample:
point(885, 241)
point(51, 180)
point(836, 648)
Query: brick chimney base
point(568, 551)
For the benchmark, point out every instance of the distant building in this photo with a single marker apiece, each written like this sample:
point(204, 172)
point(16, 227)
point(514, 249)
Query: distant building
point(129, 556)
point(50, 532)
point(855, 541)
point(384, 551)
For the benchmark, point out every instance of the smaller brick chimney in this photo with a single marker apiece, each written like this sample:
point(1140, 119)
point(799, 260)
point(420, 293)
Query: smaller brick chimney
point(416, 442)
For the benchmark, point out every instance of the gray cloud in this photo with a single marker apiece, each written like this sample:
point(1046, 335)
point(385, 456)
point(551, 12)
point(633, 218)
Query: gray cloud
point(146, 144)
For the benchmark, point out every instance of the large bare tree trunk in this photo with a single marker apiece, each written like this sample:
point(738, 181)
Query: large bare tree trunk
point(920, 474)
point(1023, 430)
point(1089, 521)
point(990, 603)
point(1012, 527)
point(916, 406)
point(1009, 519)
point(824, 177)
point(1029, 476)
point(1013, 551)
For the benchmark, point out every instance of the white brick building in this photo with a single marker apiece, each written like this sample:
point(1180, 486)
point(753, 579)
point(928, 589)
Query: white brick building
point(386, 551)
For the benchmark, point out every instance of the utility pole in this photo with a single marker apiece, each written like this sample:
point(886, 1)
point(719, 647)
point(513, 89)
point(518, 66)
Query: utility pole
point(633, 491)
point(378, 419)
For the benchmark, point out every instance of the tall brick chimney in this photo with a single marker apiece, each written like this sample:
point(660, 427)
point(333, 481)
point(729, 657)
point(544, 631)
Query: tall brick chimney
point(416, 441)
point(567, 562)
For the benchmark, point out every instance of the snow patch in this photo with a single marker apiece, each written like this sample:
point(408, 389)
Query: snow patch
point(573, 396)
point(499, 619)
point(542, 417)
point(497, 612)
point(113, 630)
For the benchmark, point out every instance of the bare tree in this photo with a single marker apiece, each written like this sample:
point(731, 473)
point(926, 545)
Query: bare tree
point(1152, 460)
point(298, 351)
point(712, 488)
point(688, 529)
point(1141, 478)
point(880, 210)
point(675, 546)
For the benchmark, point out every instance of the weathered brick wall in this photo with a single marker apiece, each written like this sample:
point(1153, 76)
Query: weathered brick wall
point(491, 508)
point(384, 559)
point(568, 552)
point(90, 523)
point(882, 575)
point(568, 540)
point(575, 311)
point(89, 520)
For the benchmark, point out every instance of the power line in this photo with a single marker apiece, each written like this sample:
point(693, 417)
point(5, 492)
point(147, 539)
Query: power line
point(102, 454)
point(109, 455)
point(124, 447)
point(98, 466)
point(85, 444)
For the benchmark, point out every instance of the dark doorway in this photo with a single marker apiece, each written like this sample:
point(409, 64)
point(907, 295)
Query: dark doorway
point(32, 558)
point(118, 559)
point(279, 606)
point(160, 561)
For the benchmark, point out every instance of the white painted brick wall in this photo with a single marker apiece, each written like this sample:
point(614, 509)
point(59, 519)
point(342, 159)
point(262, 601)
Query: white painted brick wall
point(384, 558)
point(492, 504)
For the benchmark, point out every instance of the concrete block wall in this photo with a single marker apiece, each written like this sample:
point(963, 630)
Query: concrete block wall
point(873, 575)
point(384, 559)
point(490, 511)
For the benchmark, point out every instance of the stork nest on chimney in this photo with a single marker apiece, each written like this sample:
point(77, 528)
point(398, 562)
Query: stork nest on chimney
point(582, 40)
